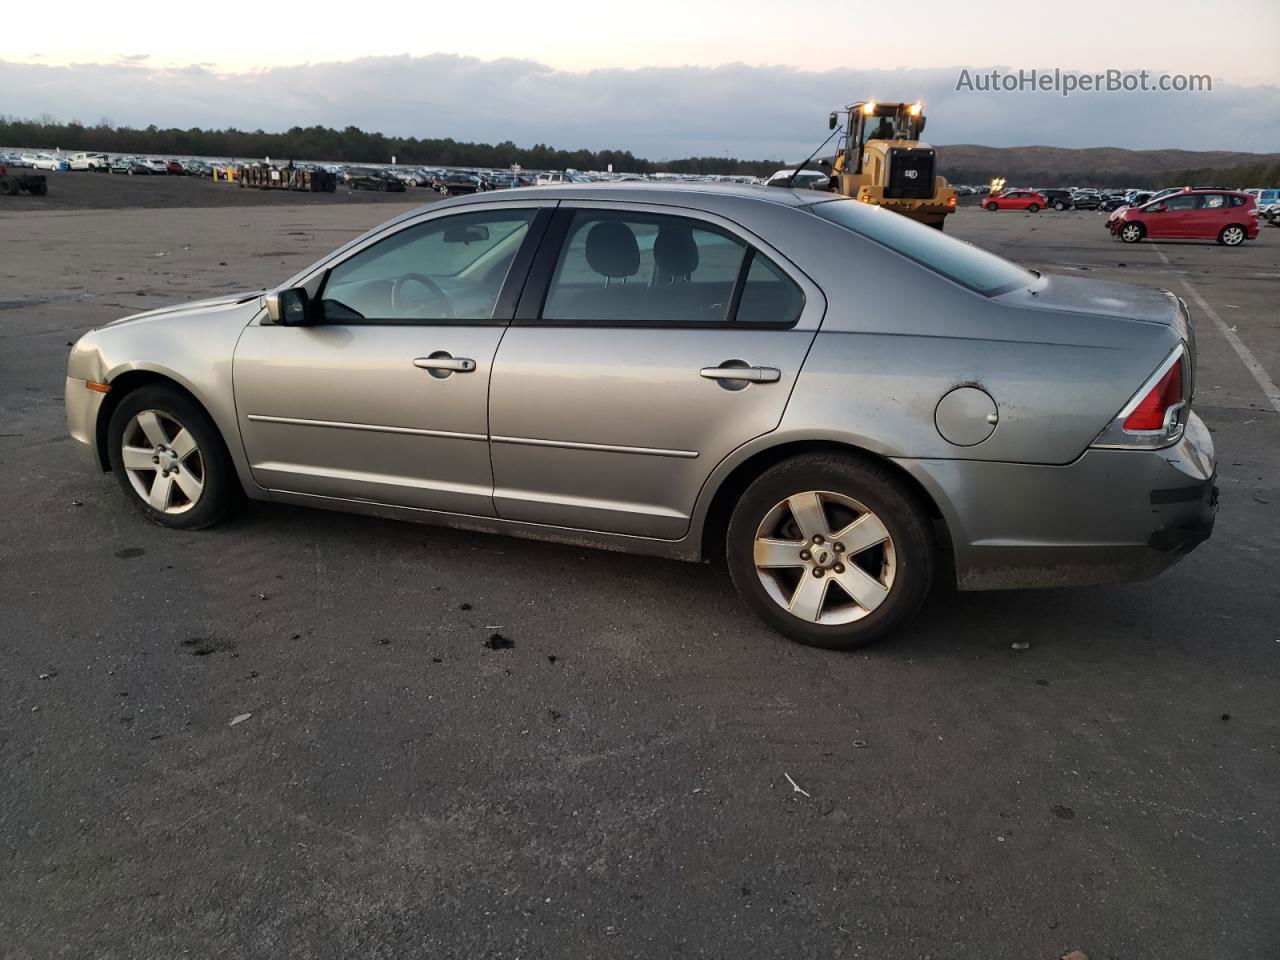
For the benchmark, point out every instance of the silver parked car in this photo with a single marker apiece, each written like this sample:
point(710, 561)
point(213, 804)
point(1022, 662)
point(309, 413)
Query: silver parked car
point(842, 403)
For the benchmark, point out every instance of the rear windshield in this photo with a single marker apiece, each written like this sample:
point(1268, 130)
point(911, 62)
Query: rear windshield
point(970, 266)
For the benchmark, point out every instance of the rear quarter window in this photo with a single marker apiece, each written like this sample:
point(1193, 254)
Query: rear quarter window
point(967, 265)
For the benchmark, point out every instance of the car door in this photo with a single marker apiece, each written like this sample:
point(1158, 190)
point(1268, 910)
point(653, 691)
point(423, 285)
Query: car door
point(1174, 219)
point(649, 344)
point(1211, 214)
point(382, 395)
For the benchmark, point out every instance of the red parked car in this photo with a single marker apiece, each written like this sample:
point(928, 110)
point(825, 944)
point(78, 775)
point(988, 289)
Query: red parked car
point(1027, 200)
point(1227, 216)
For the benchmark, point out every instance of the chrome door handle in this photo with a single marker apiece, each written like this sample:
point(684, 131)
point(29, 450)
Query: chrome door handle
point(753, 374)
point(452, 364)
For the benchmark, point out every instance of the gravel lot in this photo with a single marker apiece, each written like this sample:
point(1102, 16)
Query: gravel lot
point(615, 784)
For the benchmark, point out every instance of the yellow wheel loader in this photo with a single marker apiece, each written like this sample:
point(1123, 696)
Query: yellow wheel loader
point(882, 160)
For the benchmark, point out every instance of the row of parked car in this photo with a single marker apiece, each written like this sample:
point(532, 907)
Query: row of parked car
point(447, 182)
point(1228, 216)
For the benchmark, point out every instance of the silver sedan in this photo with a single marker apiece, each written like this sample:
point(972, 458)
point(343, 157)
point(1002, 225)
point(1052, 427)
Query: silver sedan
point(840, 403)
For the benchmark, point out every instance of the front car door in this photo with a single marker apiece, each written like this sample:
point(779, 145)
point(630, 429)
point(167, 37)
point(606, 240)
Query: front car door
point(649, 344)
point(1174, 220)
point(382, 396)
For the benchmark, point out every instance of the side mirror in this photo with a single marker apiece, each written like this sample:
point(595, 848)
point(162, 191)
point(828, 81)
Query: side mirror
point(290, 308)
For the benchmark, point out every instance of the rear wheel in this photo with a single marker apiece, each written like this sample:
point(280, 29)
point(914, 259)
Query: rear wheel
point(8, 186)
point(1060, 206)
point(1033, 208)
point(1132, 232)
point(170, 461)
point(830, 551)
point(1232, 235)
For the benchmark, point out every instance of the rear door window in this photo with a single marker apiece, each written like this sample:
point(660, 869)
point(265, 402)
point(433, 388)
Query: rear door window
point(642, 268)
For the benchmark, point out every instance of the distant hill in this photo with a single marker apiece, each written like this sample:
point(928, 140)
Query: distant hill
point(1094, 166)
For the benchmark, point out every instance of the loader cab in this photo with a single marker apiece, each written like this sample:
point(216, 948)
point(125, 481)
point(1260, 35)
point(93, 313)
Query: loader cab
point(871, 121)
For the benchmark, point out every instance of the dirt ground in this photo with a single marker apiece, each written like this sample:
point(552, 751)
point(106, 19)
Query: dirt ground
point(618, 783)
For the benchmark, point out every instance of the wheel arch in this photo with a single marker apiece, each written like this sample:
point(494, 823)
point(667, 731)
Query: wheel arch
point(715, 522)
point(127, 383)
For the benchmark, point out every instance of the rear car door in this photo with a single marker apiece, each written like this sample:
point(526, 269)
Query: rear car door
point(650, 342)
point(382, 396)
point(1210, 215)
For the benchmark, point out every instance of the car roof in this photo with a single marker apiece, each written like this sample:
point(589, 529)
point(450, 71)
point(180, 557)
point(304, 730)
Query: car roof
point(677, 194)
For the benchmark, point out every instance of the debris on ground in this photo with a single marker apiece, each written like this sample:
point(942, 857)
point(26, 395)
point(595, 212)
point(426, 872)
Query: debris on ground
point(1020, 645)
point(239, 718)
point(859, 744)
point(497, 641)
point(1075, 955)
point(795, 787)
point(464, 606)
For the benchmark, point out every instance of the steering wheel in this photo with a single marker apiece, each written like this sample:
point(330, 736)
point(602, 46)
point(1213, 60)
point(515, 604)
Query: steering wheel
point(397, 293)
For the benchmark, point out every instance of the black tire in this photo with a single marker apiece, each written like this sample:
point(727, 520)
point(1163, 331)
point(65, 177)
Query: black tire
point(38, 189)
point(1033, 208)
point(8, 186)
point(871, 485)
point(992, 206)
point(1060, 206)
point(222, 493)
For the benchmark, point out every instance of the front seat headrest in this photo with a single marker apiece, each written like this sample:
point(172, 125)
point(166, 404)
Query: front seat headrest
point(675, 252)
point(612, 250)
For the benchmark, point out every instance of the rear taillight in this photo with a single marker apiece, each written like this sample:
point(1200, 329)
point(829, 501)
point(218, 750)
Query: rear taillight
point(1151, 410)
point(1157, 414)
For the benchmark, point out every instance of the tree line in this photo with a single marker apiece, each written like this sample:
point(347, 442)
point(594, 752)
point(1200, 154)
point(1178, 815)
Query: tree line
point(349, 145)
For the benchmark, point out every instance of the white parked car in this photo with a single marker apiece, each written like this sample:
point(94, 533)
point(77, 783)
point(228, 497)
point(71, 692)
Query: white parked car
point(90, 161)
point(45, 161)
point(818, 179)
point(155, 166)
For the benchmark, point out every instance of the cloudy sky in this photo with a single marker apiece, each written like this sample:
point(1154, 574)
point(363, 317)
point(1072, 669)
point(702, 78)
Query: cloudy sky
point(662, 78)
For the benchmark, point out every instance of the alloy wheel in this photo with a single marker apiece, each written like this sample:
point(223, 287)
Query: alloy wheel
point(163, 462)
point(824, 557)
point(1233, 236)
point(1132, 233)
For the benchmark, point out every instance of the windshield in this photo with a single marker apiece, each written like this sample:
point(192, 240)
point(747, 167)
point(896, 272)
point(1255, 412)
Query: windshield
point(970, 266)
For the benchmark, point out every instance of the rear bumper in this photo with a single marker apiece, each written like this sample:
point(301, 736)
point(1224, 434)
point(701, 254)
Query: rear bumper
point(1111, 516)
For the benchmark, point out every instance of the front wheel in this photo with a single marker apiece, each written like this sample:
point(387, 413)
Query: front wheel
point(992, 206)
point(1131, 232)
point(1232, 236)
point(170, 461)
point(830, 551)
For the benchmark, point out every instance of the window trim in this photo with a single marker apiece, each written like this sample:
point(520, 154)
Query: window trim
point(538, 284)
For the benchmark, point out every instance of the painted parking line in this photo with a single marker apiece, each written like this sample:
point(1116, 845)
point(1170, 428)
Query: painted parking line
point(1269, 388)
